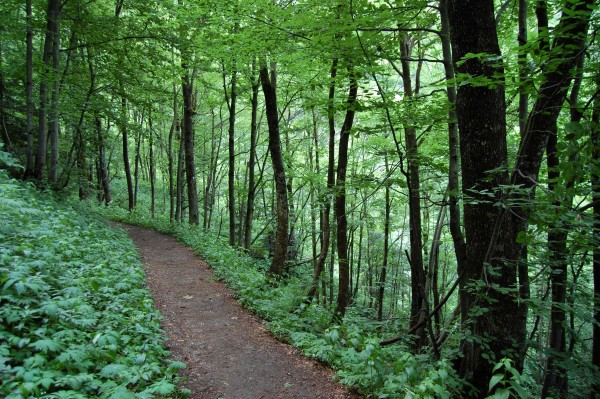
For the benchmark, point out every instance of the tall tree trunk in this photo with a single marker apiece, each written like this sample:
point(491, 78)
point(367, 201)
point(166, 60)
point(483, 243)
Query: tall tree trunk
point(343, 299)
point(281, 237)
point(414, 201)
point(172, 133)
point(481, 120)
point(473, 31)
point(137, 166)
point(102, 168)
point(29, 89)
point(5, 134)
point(292, 244)
point(386, 249)
point(556, 377)
point(54, 109)
point(255, 82)
point(326, 234)
point(82, 167)
point(40, 160)
point(595, 182)
point(523, 68)
point(231, 102)
point(124, 135)
point(188, 138)
point(151, 162)
point(453, 143)
point(180, 177)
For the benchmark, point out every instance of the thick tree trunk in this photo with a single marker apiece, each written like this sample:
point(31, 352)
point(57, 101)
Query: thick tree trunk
point(481, 120)
point(343, 299)
point(281, 237)
point(188, 138)
point(473, 31)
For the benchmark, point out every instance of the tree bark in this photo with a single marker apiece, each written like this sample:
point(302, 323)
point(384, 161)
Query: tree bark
point(188, 137)
point(252, 186)
point(414, 200)
point(151, 162)
point(595, 182)
point(281, 237)
point(124, 135)
point(231, 102)
point(473, 31)
point(481, 120)
point(556, 377)
point(102, 168)
point(386, 250)
point(40, 160)
point(326, 234)
point(343, 299)
point(29, 89)
point(172, 132)
point(54, 108)
point(453, 143)
point(180, 177)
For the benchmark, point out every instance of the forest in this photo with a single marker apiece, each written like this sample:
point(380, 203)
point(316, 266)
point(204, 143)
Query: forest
point(407, 190)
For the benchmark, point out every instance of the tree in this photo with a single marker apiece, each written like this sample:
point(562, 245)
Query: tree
point(492, 252)
point(269, 83)
point(481, 120)
point(187, 86)
point(341, 218)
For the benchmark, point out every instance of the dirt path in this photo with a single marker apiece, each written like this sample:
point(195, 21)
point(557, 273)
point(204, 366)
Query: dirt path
point(229, 353)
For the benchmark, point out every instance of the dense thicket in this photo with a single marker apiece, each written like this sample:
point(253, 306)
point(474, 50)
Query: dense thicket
point(431, 165)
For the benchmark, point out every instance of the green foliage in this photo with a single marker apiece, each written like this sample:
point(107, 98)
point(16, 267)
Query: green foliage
point(76, 320)
point(508, 382)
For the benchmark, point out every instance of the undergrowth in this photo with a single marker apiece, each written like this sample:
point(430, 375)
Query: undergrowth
point(351, 348)
point(76, 320)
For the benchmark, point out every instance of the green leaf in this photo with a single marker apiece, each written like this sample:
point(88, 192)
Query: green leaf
point(501, 393)
point(495, 380)
point(112, 370)
point(122, 393)
point(46, 345)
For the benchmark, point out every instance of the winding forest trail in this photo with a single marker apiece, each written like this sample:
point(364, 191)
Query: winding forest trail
point(228, 352)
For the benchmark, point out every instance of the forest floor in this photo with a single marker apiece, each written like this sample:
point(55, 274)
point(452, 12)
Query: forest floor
point(228, 351)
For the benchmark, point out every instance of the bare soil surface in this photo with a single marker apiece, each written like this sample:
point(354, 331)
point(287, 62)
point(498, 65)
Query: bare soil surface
point(228, 351)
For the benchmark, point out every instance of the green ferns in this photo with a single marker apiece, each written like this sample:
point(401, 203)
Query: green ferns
point(76, 320)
